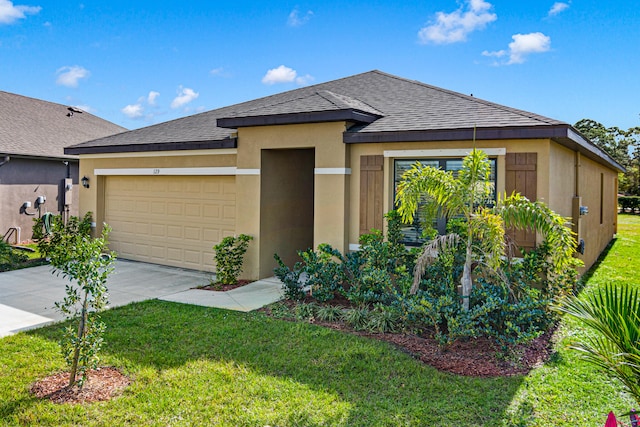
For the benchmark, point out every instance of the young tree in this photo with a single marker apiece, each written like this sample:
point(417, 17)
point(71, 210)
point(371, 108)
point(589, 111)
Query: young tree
point(467, 195)
point(75, 255)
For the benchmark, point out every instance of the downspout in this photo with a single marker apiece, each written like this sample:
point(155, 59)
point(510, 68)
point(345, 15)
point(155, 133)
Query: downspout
point(577, 203)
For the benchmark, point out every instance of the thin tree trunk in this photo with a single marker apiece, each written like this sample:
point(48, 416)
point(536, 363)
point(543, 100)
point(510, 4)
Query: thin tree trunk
point(82, 326)
point(465, 281)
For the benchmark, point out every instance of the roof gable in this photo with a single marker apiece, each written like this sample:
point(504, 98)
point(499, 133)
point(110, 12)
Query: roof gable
point(33, 127)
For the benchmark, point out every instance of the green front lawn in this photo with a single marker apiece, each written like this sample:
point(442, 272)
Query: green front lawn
point(200, 366)
point(567, 391)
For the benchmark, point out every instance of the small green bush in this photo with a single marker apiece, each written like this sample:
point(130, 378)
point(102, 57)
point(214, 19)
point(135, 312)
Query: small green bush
point(383, 319)
point(290, 278)
point(358, 318)
point(367, 276)
point(325, 271)
point(305, 311)
point(329, 313)
point(629, 203)
point(230, 257)
point(10, 259)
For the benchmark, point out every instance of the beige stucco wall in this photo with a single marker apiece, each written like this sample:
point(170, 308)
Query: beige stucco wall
point(597, 186)
point(562, 186)
point(330, 189)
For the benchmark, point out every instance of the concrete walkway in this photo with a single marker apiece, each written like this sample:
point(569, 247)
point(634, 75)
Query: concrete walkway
point(27, 296)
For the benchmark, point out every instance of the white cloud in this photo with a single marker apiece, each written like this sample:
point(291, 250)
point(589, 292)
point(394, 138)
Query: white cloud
point(455, 26)
point(133, 111)
point(284, 74)
point(70, 75)
point(304, 80)
point(151, 98)
point(558, 7)
point(220, 72)
point(9, 13)
point(185, 96)
point(281, 74)
point(137, 110)
point(522, 46)
point(295, 20)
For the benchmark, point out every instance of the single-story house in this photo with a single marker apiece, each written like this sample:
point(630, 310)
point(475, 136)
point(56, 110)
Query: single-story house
point(36, 176)
point(319, 165)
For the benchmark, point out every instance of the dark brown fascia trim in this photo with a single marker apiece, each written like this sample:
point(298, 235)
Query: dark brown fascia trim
point(576, 141)
point(165, 146)
point(298, 118)
point(554, 131)
point(564, 134)
point(72, 159)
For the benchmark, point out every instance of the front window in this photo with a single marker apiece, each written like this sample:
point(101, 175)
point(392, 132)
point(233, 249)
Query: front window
point(414, 233)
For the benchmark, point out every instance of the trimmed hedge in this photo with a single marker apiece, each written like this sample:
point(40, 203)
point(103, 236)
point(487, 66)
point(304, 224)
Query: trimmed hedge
point(629, 203)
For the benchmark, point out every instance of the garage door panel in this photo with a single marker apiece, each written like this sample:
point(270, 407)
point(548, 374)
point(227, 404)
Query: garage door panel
point(158, 208)
point(158, 230)
point(229, 212)
point(170, 220)
point(193, 257)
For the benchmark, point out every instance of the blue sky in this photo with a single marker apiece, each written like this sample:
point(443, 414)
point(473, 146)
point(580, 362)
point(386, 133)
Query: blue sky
point(139, 62)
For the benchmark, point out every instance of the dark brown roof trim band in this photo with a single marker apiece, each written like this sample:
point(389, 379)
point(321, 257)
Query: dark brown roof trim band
point(168, 146)
point(297, 118)
point(72, 159)
point(456, 134)
point(563, 134)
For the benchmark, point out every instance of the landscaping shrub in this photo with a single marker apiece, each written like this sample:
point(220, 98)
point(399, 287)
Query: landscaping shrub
point(358, 317)
point(10, 259)
point(230, 257)
point(510, 320)
point(325, 271)
point(383, 319)
point(629, 203)
point(305, 311)
point(509, 304)
point(329, 313)
point(367, 276)
point(291, 279)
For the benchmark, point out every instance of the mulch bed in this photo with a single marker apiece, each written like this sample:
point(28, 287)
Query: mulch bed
point(102, 384)
point(219, 287)
point(474, 357)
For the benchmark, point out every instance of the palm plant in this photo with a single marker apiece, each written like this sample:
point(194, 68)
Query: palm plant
point(612, 314)
point(467, 195)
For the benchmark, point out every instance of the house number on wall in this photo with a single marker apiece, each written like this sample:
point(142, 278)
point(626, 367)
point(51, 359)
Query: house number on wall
point(156, 171)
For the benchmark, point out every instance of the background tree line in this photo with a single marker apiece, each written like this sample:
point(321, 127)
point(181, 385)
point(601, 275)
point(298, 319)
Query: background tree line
point(622, 145)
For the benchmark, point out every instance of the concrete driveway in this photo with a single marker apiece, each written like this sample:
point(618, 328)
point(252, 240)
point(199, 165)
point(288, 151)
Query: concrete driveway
point(27, 296)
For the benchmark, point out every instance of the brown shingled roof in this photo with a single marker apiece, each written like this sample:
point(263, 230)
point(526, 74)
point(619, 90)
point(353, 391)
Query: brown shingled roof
point(32, 127)
point(383, 108)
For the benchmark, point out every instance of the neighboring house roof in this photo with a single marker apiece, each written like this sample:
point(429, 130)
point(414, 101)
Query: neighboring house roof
point(382, 108)
point(32, 127)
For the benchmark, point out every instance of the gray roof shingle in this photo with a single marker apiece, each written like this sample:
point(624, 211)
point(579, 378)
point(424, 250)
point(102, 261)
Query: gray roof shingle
point(33, 127)
point(393, 108)
point(403, 104)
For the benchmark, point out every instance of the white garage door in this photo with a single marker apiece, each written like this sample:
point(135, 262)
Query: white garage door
point(170, 220)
